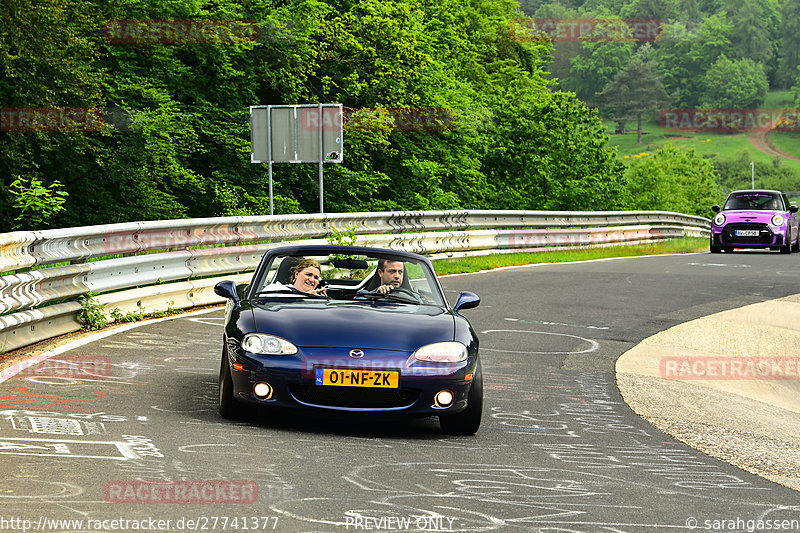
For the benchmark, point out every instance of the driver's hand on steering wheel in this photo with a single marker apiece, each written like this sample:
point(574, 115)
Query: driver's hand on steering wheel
point(384, 289)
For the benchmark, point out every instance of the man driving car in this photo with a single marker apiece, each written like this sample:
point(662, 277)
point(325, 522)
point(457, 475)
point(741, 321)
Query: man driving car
point(390, 274)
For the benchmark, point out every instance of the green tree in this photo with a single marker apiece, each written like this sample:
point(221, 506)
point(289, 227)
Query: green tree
point(36, 202)
point(553, 155)
point(796, 88)
point(596, 65)
point(635, 92)
point(790, 46)
point(734, 84)
point(563, 51)
point(672, 179)
point(751, 23)
point(683, 56)
point(184, 150)
point(48, 60)
point(734, 172)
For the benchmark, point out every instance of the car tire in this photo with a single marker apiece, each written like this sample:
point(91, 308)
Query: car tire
point(467, 421)
point(715, 249)
point(787, 248)
point(228, 405)
point(796, 246)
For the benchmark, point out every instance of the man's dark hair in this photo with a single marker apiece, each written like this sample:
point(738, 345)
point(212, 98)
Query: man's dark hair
point(382, 263)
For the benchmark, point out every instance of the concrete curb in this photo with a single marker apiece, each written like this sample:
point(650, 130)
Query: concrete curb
point(727, 384)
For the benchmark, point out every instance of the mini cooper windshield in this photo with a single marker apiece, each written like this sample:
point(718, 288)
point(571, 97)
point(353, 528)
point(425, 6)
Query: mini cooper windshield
point(754, 201)
point(356, 278)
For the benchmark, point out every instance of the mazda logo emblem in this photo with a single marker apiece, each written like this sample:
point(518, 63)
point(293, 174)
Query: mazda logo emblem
point(358, 354)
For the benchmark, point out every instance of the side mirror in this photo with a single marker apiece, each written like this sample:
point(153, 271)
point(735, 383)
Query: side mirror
point(793, 209)
point(226, 289)
point(467, 300)
point(715, 208)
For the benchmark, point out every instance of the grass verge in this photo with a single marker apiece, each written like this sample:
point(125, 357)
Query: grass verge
point(488, 262)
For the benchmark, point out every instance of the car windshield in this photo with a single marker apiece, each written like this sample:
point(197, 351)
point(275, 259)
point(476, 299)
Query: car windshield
point(354, 278)
point(756, 201)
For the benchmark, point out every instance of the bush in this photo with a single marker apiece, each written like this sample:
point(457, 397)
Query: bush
point(672, 179)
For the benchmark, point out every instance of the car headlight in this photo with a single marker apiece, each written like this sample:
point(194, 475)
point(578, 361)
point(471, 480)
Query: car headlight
point(778, 220)
point(442, 352)
point(267, 344)
point(719, 220)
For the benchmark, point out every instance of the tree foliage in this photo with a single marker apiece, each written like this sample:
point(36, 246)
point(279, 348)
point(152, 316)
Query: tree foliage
point(596, 65)
point(672, 179)
point(734, 84)
point(181, 145)
point(636, 91)
point(790, 43)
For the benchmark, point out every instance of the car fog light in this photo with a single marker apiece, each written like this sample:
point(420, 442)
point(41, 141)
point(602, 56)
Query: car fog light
point(262, 390)
point(443, 398)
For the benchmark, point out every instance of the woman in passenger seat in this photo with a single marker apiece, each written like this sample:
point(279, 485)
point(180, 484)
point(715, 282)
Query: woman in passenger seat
point(306, 275)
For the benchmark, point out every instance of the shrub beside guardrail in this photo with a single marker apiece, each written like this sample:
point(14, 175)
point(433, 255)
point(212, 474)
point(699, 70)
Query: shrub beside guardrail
point(175, 263)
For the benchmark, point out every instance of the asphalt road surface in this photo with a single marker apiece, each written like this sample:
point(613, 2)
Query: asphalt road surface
point(558, 449)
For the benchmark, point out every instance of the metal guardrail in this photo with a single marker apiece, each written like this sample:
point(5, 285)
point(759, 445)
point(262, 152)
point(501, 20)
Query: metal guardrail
point(175, 263)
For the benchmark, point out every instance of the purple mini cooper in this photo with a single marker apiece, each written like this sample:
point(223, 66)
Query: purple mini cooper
point(755, 219)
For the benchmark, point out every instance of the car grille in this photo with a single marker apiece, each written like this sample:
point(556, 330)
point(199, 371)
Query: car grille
point(354, 396)
point(765, 235)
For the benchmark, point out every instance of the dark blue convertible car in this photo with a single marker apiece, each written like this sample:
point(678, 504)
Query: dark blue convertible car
point(350, 329)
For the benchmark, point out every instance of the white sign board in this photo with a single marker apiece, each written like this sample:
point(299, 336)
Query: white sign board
point(294, 133)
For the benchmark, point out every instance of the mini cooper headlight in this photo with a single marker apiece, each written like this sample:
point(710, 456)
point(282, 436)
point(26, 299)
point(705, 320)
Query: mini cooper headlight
point(267, 344)
point(778, 220)
point(442, 352)
point(719, 220)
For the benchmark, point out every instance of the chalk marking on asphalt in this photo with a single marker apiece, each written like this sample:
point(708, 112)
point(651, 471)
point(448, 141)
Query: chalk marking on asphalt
point(594, 345)
point(544, 323)
point(16, 368)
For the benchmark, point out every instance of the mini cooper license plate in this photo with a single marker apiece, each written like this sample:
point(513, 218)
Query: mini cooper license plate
point(747, 233)
point(358, 378)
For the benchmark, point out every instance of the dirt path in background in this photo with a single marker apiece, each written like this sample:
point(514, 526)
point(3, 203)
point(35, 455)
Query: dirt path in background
point(760, 141)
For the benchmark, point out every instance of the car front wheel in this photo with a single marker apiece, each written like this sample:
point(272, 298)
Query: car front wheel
point(467, 421)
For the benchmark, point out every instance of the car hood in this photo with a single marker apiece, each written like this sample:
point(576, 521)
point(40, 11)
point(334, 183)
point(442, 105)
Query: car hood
point(751, 216)
point(355, 325)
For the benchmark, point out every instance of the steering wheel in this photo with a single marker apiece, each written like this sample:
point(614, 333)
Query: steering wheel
point(374, 292)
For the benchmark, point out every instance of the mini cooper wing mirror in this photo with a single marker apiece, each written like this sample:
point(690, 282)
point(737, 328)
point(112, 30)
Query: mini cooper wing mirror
point(715, 208)
point(226, 289)
point(793, 209)
point(467, 300)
